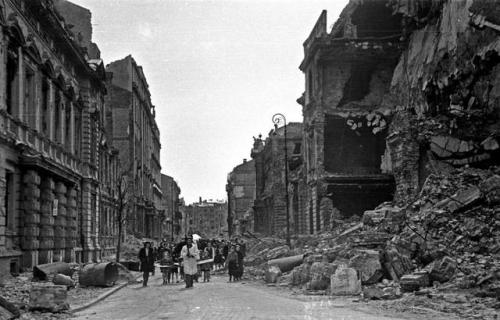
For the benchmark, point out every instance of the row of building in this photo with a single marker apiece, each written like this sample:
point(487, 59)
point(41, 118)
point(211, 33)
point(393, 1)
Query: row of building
point(72, 131)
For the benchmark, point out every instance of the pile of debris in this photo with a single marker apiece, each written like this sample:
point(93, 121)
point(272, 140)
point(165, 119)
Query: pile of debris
point(48, 291)
point(448, 239)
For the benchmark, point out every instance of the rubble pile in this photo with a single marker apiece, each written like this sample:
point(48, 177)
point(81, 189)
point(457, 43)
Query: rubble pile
point(446, 240)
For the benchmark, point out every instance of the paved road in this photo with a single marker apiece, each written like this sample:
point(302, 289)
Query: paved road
point(215, 300)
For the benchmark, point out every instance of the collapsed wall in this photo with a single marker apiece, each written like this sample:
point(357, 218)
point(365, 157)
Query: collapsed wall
point(447, 87)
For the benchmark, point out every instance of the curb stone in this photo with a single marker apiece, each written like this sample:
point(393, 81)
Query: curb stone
point(101, 297)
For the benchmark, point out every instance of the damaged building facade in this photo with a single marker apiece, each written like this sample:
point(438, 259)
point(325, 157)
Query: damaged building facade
point(53, 185)
point(134, 132)
point(240, 189)
point(270, 194)
point(207, 218)
point(395, 91)
point(171, 214)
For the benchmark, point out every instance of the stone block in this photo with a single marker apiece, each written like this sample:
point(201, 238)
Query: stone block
point(52, 298)
point(32, 205)
point(46, 220)
point(30, 243)
point(31, 231)
point(60, 188)
point(46, 232)
point(415, 281)
point(31, 218)
point(31, 177)
point(443, 269)
point(345, 281)
point(30, 192)
point(273, 273)
point(46, 244)
point(373, 293)
point(490, 144)
point(463, 198)
point(491, 188)
point(320, 274)
point(367, 262)
point(373, 217)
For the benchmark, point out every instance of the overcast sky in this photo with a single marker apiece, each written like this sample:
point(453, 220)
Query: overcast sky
point(217, 70)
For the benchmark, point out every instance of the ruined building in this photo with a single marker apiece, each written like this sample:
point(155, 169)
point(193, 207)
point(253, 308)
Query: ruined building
point(134, 132)
point(207, 218)
point(270, 198)
point(240, 189)
point(53, 187)
point(170, 202)
point(394, 91)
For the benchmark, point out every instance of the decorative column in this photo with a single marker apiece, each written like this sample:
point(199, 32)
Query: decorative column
point(31, 206)
point(71, 225)
point(47, 197)
point(60, 222)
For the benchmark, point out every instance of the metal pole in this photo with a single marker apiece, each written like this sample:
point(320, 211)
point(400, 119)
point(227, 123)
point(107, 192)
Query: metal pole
point(277, 118)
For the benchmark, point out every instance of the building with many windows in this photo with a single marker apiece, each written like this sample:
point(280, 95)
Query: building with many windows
point(134, 132)
point(172, 217)
point(206, 218)
point(56, 168)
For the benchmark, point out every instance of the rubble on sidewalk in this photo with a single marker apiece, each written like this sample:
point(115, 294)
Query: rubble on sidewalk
point(52, 298)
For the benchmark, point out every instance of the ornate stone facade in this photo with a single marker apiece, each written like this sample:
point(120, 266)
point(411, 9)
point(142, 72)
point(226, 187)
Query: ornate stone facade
point(51, 136)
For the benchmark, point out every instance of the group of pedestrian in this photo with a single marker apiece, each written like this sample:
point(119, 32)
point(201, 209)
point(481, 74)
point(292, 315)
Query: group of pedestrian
point(192, 259)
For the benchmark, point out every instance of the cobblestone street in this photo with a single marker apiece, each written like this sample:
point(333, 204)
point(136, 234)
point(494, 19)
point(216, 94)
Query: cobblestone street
point(215, 300)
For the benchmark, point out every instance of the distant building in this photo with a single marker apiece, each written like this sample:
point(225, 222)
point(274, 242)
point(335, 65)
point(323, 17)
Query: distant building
point(207, 218)
point(136, 134)
point(172, 216)
point(241, 194)
point(270, 199)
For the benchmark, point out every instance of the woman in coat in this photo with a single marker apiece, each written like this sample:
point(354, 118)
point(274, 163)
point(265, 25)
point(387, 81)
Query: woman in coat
point(190, 256)
point(147, 258)
point(232, 264)
point(240, 254)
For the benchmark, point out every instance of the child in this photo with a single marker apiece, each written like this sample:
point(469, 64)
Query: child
point(166, 266)
point(207, 254)
point(232, 264)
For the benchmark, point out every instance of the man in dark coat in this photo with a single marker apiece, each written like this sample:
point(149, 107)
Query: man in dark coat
point(146, 256)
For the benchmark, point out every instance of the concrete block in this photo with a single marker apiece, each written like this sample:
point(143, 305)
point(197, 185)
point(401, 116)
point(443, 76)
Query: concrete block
point(367, 262)
point(345, 281)
point(415, 281)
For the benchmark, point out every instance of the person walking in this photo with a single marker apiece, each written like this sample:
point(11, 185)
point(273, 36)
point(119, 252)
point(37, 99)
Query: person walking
point(147, 259)
point(240, 255)
point(190, 255)
point(218, 259)
point(207, 254)
point(232, 264)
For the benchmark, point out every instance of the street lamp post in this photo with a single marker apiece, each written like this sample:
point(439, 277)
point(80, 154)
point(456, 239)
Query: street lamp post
point(277, 119)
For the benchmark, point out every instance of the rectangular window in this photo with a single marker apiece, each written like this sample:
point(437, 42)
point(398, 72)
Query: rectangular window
point(8, 200)
point(12, 83)
point(44, 125)
point(78, 130)
point(57, 117)
point(67, 128)
point(29, 98)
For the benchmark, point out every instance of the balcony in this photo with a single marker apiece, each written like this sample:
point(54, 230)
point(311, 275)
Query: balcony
point(37, 148)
